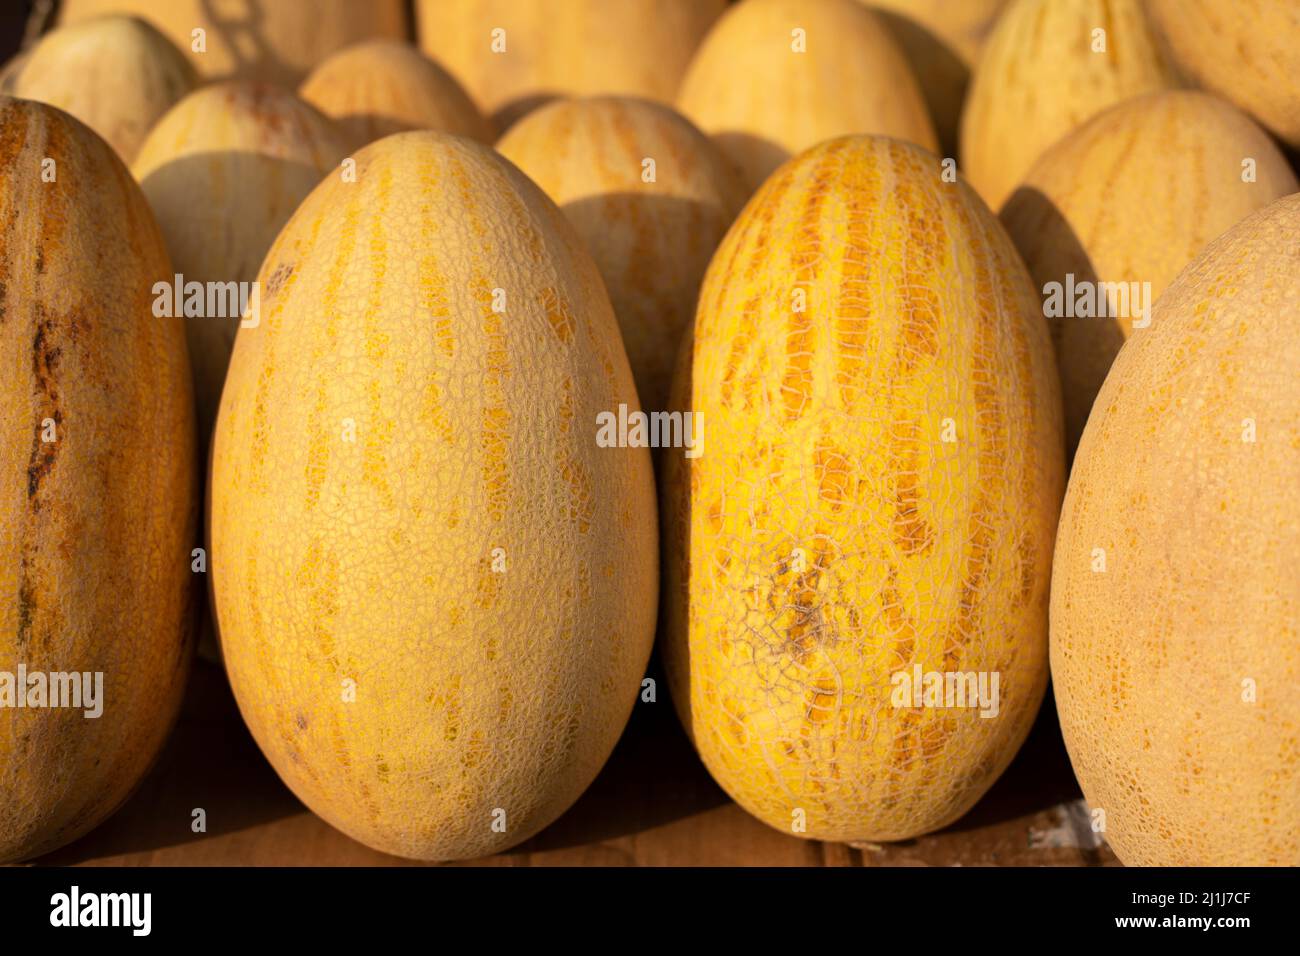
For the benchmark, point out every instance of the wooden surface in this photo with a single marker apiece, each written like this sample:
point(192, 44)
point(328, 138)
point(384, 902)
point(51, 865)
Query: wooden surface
point(654, 804)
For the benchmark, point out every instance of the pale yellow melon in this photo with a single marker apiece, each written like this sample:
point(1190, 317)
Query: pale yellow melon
point(116, 74)
point(775, 77)
point(877, 492)
point(1245, 50)
point(436, 593)
point(513, 55)
point(1131, 197)
point(275, 40)
point(1048, 66)
point(942, 40)
point(651, 196)
point(223, 170)
point(1175, 598)
point(381, 87)
point(97, 481)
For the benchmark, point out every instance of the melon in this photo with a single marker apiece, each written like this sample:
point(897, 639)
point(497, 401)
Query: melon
point(1048, 66)
point(116, 74)
point(775, 77)
point(861, 553)
point(223, 170)
point(275, 40)
point(1128, 199)
point(1245, 50)
point(436, 593)
point(942, 40)
point(1175, 601)
point(97, 483)
point(513, 55)
point(381, 87)
point(651, 196)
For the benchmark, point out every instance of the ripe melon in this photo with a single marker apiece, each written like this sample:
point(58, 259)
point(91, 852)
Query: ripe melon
point(275, 40)
point(652, 240)
point(223, 170)
point(942, 40)
point(1175, 599)
point(116, 74)
point(381, 87)
point(1245, 50)
point(878, 492)
point(97, 484)
point(774, 77)
point(1048, 66)
point(513, 55)
point(435, 592)
point(1131, 197)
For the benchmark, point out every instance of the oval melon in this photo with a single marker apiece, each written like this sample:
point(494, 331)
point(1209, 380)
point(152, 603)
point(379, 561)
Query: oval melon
point(435, 592)
point(651, 240)
point(1245, 50)
point(223, 170)
point(381, 87)
point(942, 40)
point(275, 40)
point(1175, 600)
point(513, 55)
point(877, 493)
point(774, 77)
point(1043, 73)
point(1131, 197)
point(116, 74)
point(97, 483)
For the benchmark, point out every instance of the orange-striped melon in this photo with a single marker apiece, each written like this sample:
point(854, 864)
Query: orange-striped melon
point(861, 552)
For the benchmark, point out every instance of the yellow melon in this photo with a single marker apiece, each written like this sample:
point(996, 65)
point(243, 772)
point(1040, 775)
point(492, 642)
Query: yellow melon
point(865, 541)
point(1245, 50)
point(97, 483)
point(435, 592)
point(1130, 198)
point(223, 170)
point(513, 55)
point(942, 40)
point(1175, 599)
point(116, 74)
point(381, 87)
point(651, 196)
point(1048, 66)
point(777, 76)
point(275, 40)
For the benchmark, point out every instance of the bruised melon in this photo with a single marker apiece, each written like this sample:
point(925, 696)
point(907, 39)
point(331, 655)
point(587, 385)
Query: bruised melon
point(223, 171)
point(97, 485)
point(435, 592)
point(876, 496)
point(1128, 199)
point(1175, 598)
point(1048, 66)
point(775, 77)
point(651, 196)
point(513, 55)
point(279, 41)
point(115, 74)
point(381, 87)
